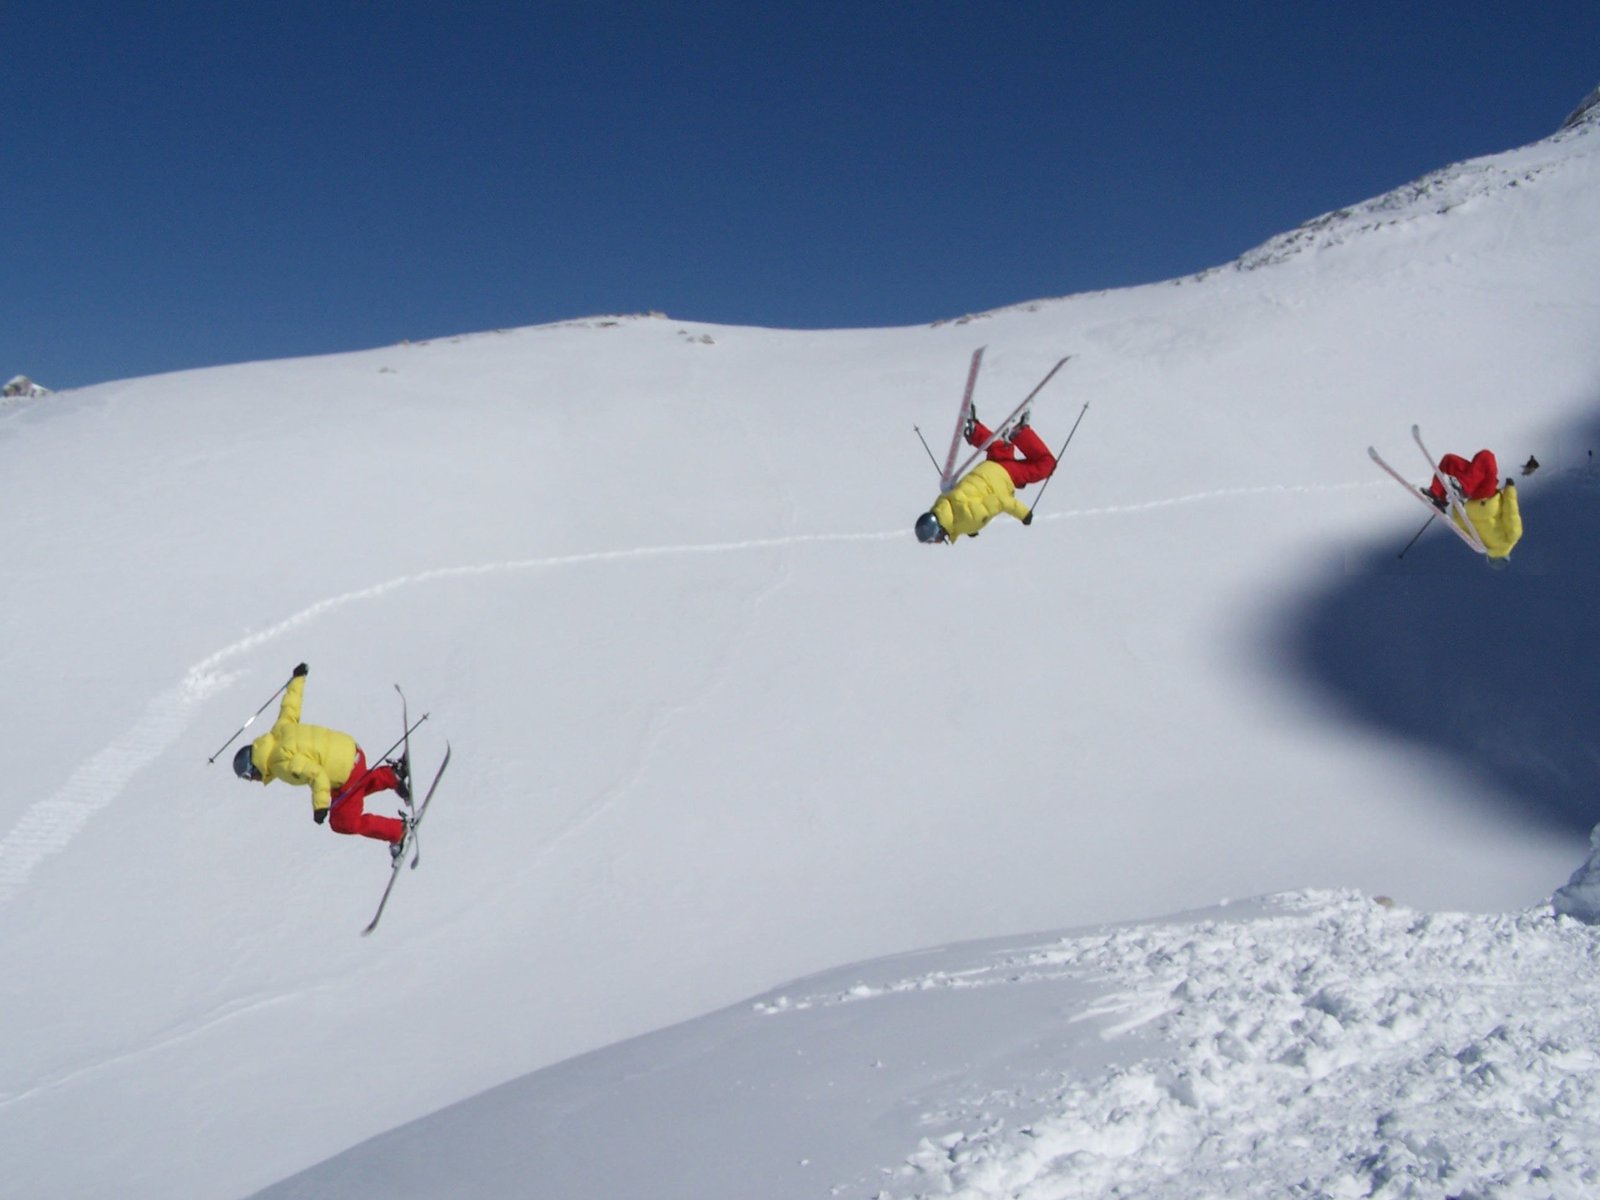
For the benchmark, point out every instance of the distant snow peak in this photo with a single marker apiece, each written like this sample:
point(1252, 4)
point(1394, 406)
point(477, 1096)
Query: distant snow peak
point(1588, 111)
point(21, 386)
point(1433, 195)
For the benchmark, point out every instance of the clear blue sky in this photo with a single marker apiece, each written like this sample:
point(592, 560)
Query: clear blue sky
point(192, 183)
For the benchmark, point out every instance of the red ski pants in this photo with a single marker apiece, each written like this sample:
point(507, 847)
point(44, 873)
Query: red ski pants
point(1479, 478)
point(348, 813)
point(1037, 462)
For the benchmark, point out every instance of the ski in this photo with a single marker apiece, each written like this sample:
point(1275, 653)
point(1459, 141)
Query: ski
point(961, 418)
point(410, 843)
point(947, 481)
point(1457, 497)
point(1417, 494)
point(404, 771)
point(405, 752)
point(416, 848)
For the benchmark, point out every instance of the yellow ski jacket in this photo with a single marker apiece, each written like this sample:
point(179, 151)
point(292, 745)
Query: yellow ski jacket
point(304, 755)
point(979, 496)
point(1498, 520)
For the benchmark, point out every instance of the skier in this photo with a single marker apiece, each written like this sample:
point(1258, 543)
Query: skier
point(990, 488)
point(1491, 508)
point(331, 765)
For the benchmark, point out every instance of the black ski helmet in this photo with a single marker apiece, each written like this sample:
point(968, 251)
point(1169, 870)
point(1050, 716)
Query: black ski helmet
point(929, 529)
point(243, 767)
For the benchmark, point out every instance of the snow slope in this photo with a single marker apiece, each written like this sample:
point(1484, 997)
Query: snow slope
point(1316, 1044)
point(720, 722)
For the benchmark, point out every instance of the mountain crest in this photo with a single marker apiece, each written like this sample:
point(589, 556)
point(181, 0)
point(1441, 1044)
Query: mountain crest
point(1589, 110)
point(21, 385)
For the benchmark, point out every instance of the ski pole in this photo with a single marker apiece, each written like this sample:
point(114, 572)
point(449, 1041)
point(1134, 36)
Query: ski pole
point(1057, 467)
point(926, 447)
point(1413, 541)
point(248, 723)
point(349, 783)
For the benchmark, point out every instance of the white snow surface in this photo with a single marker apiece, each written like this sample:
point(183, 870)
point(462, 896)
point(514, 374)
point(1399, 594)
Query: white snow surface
point(720, 723)
point(1315, 1044)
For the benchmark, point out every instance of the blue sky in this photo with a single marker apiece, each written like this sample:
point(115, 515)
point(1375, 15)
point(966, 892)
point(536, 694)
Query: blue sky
point(194, 183)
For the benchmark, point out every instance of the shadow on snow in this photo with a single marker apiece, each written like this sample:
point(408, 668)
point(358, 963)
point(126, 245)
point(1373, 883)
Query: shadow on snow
point(1493, 669)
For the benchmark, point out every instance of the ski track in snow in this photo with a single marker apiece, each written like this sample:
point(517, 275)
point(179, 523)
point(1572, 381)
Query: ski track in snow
point(51, 824)
point(179, 1032)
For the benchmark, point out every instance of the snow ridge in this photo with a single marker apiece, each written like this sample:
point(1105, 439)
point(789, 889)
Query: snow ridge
point(1588, 111)
point(21, 387)
point(1478, 1032)
point(1435, 194)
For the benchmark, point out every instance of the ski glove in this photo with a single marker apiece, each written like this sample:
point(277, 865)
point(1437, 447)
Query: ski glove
point(1028, 520)
point(319, 815)
point(301, 669)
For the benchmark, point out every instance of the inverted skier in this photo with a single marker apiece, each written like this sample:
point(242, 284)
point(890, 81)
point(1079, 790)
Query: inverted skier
point(332, 765)
point(1491, 508)
point(990, 488)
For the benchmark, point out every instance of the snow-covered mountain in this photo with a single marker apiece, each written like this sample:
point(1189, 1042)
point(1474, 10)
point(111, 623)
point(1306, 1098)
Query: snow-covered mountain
point(20, 387)
point(1588, 111)
point(719, 722)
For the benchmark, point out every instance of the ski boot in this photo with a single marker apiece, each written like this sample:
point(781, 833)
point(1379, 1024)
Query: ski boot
point(1438, 502)
point(402, 777)
point(971, 423)
point(397, 850)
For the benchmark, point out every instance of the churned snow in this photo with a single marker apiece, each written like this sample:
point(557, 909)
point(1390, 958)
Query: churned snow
point(1335, 1047)
point(720, 723)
